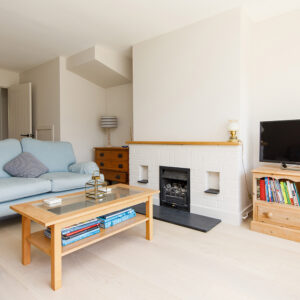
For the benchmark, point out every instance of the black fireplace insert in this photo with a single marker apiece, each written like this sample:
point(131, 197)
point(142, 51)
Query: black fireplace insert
point(174, 186)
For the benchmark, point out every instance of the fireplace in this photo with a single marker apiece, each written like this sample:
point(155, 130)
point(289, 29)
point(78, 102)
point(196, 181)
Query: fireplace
point(175, 187)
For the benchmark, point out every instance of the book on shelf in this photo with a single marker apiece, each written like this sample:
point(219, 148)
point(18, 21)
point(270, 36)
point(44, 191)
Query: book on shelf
point(278, 191)
point(80, 226)
point(267, 189)
point(262, 189)
point(121, 216)
point(283, 193)
point(80, 237)
point(273, 191)
point(295, 199)
point(117, 214)
point(297, 194)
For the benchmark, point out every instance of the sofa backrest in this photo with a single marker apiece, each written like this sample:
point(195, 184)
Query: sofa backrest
point(56, 156)
point(9, 149)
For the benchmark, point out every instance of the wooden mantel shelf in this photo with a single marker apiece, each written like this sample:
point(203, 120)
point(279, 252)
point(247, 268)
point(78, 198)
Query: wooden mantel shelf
point(183, 143)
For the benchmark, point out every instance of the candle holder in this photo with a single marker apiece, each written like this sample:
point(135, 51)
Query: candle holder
point(95, 188)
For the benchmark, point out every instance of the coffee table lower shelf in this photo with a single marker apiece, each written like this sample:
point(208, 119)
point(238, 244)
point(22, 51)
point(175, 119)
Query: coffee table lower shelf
point(39, 240)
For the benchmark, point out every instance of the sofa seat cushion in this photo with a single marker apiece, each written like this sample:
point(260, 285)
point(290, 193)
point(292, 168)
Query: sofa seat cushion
point(62, 181)
point(12, 188)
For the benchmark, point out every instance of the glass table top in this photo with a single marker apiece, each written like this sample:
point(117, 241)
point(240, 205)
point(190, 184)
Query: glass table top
point(77, 202)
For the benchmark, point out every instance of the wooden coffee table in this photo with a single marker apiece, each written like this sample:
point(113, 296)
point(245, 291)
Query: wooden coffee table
point(77, 208)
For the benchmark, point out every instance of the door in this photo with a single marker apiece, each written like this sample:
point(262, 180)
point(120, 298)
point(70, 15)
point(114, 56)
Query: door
point(19, 111)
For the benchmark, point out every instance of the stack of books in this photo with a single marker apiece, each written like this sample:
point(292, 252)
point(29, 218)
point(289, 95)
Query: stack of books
point(112, 219)
point(77, 232)
point(280, 191)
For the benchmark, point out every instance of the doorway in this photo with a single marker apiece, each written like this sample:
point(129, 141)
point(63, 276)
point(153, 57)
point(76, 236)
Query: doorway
point(3, 114)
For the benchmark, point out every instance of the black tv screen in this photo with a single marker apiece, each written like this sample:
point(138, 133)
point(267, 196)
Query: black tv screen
point(280, 141)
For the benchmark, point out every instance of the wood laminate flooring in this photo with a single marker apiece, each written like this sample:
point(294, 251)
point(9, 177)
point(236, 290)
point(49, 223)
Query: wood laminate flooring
point(228, 262)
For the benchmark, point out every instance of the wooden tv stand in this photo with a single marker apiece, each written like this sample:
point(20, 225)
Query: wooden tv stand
point(281, 220)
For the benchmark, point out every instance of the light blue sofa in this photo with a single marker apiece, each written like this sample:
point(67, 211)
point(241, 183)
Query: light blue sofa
point(65, 175)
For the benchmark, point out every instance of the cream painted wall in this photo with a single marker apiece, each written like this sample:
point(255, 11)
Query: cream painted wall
point(8, 78)
point(119, 103)
point(74, 105)
point(186, 84)
point(81, 105)
point(276, 73)
point(45, 95)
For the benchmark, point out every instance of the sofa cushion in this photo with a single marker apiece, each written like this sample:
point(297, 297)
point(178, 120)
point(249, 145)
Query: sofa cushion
point(16, 187)
point(89, 167)
point(56, 156)
point(9, 149)
point(25, 165)
point(62, 181)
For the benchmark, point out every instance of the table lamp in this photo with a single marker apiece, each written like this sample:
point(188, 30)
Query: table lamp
point(233, 128)
point(109, 122)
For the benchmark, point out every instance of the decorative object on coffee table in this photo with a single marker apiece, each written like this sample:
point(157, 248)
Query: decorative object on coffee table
point(109, 122)
point(95, 188)
point(233, 128)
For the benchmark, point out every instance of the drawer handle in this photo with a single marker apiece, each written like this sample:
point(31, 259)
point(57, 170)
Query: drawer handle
point(269, 214)
point(102, 164)
point(120, 155)
point(120, 166)
point(101, 154)
point(118, 176)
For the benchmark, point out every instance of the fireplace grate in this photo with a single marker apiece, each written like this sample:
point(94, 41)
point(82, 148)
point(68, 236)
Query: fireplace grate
point(174, 187)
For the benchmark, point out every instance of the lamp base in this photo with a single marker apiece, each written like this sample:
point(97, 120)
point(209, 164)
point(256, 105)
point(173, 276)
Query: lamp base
point(233, 137)
point(108, 138)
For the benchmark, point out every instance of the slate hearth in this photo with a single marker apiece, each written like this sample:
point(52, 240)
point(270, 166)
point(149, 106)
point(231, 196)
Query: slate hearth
point(180, 217)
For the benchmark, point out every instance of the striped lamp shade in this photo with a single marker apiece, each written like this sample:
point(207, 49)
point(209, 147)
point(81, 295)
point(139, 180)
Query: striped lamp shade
point(109, 122)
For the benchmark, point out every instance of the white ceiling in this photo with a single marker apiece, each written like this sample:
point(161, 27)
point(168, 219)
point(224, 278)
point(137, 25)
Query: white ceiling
point(34, 31)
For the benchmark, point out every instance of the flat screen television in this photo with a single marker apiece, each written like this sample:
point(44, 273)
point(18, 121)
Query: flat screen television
point(280, 142)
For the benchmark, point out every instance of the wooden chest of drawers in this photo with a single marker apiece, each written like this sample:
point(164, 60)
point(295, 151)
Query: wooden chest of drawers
point(113, 163)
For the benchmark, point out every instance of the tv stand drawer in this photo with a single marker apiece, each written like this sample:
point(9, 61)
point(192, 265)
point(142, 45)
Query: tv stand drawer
point(279, 216)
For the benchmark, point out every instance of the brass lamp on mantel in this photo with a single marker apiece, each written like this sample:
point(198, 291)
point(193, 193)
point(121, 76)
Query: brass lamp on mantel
point(109, 122)
point(233, 128)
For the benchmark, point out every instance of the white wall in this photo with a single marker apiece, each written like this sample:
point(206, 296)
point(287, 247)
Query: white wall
point(119, 103)
point(276, 74)
point(186, 84)
point(8, 78)
point(45, 95)
point(74, 105)
point(81, 105)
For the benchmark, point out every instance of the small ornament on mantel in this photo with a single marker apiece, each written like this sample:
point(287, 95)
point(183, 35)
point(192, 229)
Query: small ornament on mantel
point(233, 128)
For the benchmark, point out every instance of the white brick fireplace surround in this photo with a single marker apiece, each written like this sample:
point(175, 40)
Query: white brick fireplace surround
point(212, 165)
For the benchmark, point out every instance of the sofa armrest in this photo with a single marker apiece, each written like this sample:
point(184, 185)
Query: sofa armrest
point(84, 168)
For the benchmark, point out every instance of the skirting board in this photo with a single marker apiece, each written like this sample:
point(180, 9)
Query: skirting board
point(233, 218)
